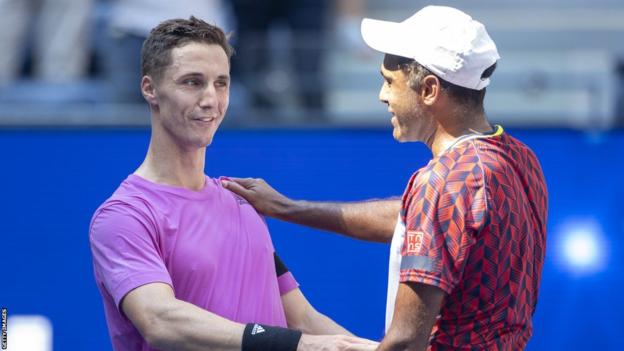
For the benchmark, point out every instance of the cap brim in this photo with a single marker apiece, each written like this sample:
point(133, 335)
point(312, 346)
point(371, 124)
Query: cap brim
point(383, 36)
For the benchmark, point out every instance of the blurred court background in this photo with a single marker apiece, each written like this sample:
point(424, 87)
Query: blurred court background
point(304, 115)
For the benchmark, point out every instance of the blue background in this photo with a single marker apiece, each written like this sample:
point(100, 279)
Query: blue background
point(53, 180)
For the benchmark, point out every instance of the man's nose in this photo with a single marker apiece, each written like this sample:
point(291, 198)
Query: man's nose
point(383, 94)
point(208, 97)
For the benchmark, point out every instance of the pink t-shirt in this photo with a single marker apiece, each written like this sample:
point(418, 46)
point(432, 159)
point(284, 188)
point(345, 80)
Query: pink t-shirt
point(210, 246)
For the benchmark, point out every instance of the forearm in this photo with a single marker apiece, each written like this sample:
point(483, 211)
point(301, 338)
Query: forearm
point(184, 326)
point(187, 327)
point(316, 323)
point(407, 334)
point(402, 343)
point(372, 220)
point(417, 307)
point(366, 220)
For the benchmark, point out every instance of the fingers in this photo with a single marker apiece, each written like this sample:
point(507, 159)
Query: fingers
point(229, 182)
point(355, 343)
point(239, 180)
point(232, 185)
point(362, 341)
point(336, 343)
point(245, 182)
point(363, 347)
point(369, 342)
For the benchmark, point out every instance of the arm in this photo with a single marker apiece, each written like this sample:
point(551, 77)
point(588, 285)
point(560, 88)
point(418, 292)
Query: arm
point(302, 316)
point(366, 220)
point(416, 310)
point(171, 324)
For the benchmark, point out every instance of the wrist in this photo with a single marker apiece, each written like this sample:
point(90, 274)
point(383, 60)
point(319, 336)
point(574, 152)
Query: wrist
point(286, 208)
point(304, 343)
point(257, 337)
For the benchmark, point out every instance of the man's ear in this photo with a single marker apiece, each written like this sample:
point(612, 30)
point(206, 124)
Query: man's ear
point(431, 89)
point(148, 89)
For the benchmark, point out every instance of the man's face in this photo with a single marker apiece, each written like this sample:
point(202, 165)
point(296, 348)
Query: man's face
point(409, 120)
point(192, 95)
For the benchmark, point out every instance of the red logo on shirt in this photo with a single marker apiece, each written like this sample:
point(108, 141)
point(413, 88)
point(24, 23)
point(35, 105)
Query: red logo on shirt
point(414, 241)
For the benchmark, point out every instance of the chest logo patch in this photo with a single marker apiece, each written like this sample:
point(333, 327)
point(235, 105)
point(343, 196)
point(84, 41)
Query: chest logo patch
point(414, 242)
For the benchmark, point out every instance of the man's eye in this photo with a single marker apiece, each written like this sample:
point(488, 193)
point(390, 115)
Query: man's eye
point(191, 82)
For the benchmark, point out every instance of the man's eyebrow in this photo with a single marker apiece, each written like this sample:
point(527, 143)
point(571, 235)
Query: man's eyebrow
point(200, 75)
point(190, 74)
point(385, 76)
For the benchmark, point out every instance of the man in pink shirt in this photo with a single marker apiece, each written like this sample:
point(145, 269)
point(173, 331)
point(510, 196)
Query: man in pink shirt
point(181, 262)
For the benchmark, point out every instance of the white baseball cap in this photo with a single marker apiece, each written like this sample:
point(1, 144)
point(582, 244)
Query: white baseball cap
point(445, 40)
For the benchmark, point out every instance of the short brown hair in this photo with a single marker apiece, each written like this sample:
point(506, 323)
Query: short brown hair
point(173, 33)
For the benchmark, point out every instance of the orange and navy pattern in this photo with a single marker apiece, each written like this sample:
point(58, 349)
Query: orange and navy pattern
point(476, 228)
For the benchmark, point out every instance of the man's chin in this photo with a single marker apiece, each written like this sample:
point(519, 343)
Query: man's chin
point(207, 142)
point(398, 136)
point(202, 142)
point(401, 138)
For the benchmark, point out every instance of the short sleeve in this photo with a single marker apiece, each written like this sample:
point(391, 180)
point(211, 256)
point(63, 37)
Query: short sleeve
point(285, 280)
point(125, 250)
point(444, 210)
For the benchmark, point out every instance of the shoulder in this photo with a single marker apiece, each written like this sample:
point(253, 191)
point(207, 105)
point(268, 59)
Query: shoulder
point(522, 152)
point(127, 208)
point(125, 199)
point(453, 169)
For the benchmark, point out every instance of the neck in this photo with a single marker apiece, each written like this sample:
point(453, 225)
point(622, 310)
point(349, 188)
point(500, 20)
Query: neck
point(452, 128)
point(171, 164)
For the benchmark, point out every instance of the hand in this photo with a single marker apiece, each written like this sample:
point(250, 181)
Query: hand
point(260, 195)
point(335, 343)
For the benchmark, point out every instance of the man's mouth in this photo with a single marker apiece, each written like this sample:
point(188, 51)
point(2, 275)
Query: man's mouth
point(205, 119)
